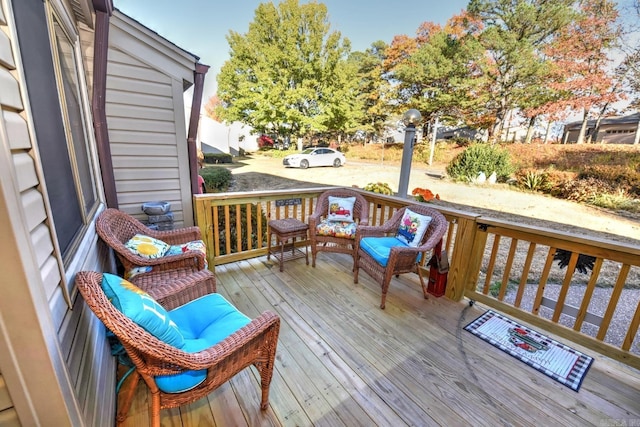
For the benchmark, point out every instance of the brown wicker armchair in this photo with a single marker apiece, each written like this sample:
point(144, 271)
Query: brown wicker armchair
point(343, 245)
point(254, 344)
point(402, 259)
point(116, 228)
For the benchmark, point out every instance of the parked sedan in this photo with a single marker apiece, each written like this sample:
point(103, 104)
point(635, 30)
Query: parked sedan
point(319, 156)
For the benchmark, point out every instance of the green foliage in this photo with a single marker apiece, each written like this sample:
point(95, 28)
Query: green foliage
point(379, 187)
point(289, 73)
point(216, 179)
point(215, 158)
point(233, 229)
point(481, 158)
point(532, 179)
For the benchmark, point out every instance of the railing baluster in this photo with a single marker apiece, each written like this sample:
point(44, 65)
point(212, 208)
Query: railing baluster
point(588, 293)
point(249, 230)
point(562, 296)
point(543, 281)
point(492, 263)
point(507, 269)
point(525, 274)
point(613, 302)
point(633, 329)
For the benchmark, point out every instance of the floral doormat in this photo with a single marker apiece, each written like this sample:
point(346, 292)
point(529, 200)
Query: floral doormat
point(556, 360)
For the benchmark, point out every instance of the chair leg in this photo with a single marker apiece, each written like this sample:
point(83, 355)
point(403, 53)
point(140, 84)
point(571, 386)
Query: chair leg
point(129, 391)
point(424, 286)
point(155, 409)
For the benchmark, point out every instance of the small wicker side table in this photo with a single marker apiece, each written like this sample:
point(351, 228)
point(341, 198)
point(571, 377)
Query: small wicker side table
point(285, 229)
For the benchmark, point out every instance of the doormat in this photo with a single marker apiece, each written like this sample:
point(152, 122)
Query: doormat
point(556, 360)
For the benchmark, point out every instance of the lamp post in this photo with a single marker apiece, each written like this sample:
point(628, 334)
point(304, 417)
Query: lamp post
point(410, 118)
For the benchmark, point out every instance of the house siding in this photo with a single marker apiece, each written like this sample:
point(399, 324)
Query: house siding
point(146, 77)
point(75, 373)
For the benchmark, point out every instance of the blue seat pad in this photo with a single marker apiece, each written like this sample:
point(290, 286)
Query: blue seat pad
point(379, 248)
point(203, 323)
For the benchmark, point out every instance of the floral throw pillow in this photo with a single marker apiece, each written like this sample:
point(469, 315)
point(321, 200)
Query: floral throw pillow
point(412, 228)
point(341, 208)
point(147, 247)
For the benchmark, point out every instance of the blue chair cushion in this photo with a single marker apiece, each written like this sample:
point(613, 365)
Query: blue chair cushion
point(379, 248)
point(342, 229)
point(203, 323)
point(141, 308)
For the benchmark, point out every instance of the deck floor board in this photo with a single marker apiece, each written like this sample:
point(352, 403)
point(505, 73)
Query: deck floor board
point(343, 361)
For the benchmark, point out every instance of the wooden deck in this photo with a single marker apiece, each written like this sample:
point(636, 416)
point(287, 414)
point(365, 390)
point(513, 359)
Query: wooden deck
point(344, 362)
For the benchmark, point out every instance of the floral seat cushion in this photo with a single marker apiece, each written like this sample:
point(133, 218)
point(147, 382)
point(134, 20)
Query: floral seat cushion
point(342, 229)
point(196, 245)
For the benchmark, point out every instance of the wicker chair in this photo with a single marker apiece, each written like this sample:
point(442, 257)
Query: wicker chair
point(116, 228)
point(254, 344)
point(320, 243)
point(402, 259)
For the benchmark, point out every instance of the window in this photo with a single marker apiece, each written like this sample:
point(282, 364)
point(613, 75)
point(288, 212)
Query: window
point(53, 73)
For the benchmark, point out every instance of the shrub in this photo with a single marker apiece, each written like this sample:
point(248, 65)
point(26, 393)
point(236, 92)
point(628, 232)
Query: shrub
point(233, 229)
point(379, 187)
point(216, 179)
point(532, 179)
point(478, 158)
point(215, 158)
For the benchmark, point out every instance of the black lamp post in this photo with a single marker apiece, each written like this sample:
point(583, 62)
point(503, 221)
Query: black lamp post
point(410, 119)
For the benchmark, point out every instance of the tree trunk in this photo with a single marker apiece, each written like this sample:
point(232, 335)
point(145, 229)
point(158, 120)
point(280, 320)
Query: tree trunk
point(532, 122)
point(593, 137)
point(636, 141)
point(546, 134)
point(583, 128)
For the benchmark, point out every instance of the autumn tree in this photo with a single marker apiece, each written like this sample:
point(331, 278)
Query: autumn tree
point(580, 61)
point(211, 108)
point(289, 73)
point(373, 88)
point(514, 35)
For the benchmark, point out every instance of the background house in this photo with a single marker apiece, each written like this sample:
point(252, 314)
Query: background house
point(613, 130)
point(91, 115)
point(216, 137)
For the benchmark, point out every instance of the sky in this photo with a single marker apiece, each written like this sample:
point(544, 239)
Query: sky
point(201, 26)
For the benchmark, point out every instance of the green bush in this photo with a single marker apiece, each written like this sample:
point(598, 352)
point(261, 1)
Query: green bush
point(478, 158)
point(233, 229)
point(216, 179)
point(215, 158)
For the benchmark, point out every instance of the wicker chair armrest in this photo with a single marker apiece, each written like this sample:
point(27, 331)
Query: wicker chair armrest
point(314, 220)
point(267, 323)
point(167, 262)
point(370, 231)
point(178, 236)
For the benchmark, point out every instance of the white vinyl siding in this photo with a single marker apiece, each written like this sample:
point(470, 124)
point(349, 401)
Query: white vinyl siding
point(146, 119)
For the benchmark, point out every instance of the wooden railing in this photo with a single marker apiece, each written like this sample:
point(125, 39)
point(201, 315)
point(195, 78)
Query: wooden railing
point(508, 267)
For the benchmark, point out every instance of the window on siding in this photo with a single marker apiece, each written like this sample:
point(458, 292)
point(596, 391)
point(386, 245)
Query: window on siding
point(52, 72)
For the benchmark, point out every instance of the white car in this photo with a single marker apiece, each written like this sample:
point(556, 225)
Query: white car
point(319, 156)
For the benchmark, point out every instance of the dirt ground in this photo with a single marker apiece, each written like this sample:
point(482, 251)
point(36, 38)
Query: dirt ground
point(496, 201)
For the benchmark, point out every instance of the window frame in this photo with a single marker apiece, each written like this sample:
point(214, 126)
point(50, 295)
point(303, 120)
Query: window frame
point(57, 18)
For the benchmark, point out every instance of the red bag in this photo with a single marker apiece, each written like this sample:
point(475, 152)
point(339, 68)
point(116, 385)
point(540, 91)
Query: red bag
point(438, 271)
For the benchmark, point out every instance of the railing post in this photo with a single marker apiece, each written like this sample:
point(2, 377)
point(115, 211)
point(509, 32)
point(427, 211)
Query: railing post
point(465, 259)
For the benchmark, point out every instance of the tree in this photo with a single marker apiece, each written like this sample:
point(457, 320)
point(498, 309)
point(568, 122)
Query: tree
point(433, 72)
point(373, 88)
point(580, 61)
point(514, 35)
point(211, 106)
point(289, 74)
